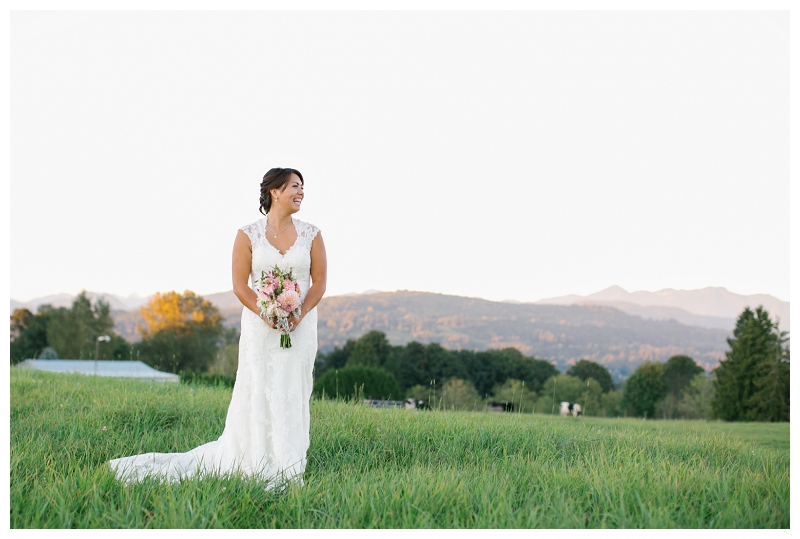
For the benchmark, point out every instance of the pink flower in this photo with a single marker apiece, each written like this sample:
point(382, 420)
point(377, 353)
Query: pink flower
point(289, 300)
point(297, 287)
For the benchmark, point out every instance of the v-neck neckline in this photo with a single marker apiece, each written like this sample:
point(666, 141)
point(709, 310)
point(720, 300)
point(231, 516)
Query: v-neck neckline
point(266, 237)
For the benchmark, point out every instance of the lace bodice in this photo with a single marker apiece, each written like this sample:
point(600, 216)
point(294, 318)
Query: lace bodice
point(297, 258)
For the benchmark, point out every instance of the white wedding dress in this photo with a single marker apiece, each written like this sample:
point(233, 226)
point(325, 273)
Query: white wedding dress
point(267, 427)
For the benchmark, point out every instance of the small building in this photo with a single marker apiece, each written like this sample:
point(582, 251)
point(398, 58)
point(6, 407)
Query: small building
point(101, 367)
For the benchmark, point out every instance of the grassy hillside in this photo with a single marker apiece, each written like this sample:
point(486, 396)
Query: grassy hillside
point(388, 468)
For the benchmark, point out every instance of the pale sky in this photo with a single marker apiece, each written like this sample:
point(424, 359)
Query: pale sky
point(503, 155)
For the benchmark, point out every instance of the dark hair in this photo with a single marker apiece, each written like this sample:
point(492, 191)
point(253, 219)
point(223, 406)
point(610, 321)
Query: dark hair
point(275, 178)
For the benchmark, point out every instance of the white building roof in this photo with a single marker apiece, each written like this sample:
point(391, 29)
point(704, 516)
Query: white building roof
point(101, 367)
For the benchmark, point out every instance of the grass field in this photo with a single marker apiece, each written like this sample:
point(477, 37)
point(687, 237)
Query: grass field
point(387, 468)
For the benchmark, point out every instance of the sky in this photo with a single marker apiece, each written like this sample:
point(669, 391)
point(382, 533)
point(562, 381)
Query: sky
point(503, 155)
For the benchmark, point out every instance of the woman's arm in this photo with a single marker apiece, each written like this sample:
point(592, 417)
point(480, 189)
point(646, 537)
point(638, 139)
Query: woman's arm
point(242, 258)
point(319, 276)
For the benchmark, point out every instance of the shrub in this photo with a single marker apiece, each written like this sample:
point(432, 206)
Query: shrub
point(459, 395)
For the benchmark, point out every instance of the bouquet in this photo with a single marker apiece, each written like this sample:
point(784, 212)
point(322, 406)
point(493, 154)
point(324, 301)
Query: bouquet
point(279, 298)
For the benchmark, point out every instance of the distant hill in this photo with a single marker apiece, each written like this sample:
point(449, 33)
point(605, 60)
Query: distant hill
point(657, 312)
point(561, 334)
point(710, 306)
point(115, 302)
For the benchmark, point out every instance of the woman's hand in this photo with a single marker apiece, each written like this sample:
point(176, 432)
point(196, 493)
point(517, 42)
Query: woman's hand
point(273, 325)
point(294, 321)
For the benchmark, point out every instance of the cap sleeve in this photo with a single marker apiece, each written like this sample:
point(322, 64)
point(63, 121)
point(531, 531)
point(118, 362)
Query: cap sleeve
point(252, 232)
point(308, 232)
point(312, 233)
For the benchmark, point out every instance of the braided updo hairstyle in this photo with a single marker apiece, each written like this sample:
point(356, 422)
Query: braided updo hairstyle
point(275, 178)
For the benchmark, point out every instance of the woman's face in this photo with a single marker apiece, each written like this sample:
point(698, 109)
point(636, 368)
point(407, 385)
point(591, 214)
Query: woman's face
point(292, 194)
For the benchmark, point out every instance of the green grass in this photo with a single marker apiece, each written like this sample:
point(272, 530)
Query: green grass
point(387, 468)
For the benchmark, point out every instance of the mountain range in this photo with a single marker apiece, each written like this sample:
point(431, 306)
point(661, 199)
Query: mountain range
point(713, 306)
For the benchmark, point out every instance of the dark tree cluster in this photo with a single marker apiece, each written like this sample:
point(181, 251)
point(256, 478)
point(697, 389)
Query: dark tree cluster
point(585, 369)
point(418, 364)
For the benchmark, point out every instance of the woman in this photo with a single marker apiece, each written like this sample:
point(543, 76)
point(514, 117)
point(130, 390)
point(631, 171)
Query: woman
point(267, 426)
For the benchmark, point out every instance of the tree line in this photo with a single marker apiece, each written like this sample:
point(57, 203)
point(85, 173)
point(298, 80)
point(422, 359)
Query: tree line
point(465, 379)
point(750, 384)
point(183, 333)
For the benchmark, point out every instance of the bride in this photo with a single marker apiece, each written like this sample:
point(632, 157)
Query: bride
point(267, 427)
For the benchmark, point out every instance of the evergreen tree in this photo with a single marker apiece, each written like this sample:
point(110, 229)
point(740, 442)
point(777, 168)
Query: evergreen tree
point(749, 383)
point(770, 402)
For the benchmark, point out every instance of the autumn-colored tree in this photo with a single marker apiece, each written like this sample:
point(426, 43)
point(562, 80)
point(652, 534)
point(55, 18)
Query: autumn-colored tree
point(181, 332)
point(175, 311)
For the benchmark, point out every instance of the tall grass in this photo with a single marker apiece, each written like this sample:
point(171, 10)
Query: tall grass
point(384, 468)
